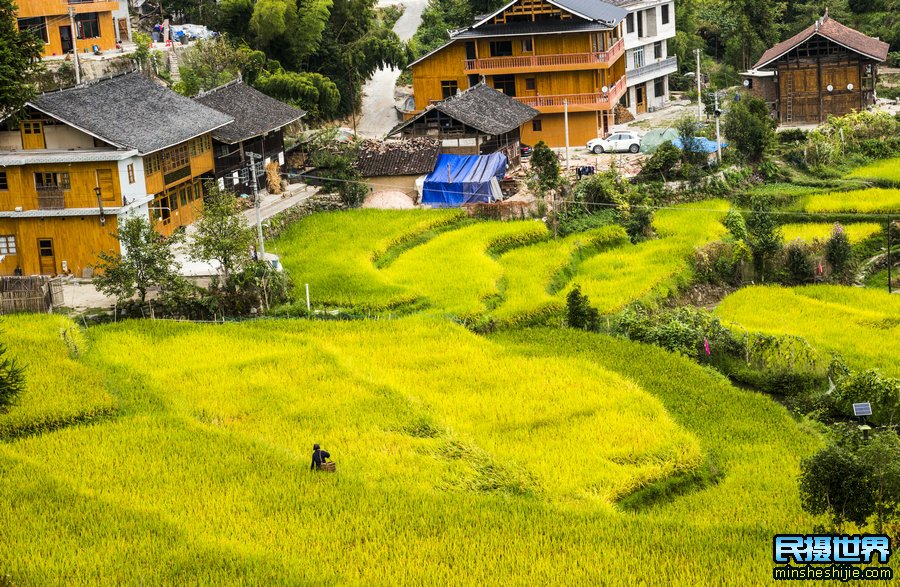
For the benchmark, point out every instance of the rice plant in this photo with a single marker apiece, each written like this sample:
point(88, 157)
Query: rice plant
point(869, 201)
point(887, 169)
point(821, 231)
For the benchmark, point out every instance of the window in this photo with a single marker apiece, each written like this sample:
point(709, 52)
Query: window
point(659, 87)
point(665, 13)
point(87, 25)
point(152, 164)
point(629, 23)
point(197, 191)
point(7, 244)
point(50, 180)
point(32, 127)
point(131, 173)
point(640, 25)
point(638, 58)
point(505, 84)
point(175, 158)
point(185, 194)
point(449, 88)
point(536, 124)
point(4, 184)
point(530, 83)
point(37, 26)
point(501, 48)
point(657, 50)
point(527, 46)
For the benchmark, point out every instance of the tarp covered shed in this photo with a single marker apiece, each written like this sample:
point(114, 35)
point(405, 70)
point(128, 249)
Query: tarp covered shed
point(699, 145)
point(651, 141)
point(463, 179)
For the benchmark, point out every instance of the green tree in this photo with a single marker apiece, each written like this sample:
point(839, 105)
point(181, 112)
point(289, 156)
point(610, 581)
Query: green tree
point(756, 26)
point(833, 482)
point(580, 314)
point(838, 251)
point(335, 161)
point(800, 265)
point(141, 55)
point(689, 129)
point(763, 232)
point(12, 380)
point(313, 92)
point(545, 169)
point(749, 127)
point(288, 30)
point(20, 54)
point(222, 233)
point(233, 17)
point(881, 456)
point(147, 260)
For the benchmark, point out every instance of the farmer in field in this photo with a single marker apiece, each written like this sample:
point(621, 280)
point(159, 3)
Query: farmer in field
point(319, 457)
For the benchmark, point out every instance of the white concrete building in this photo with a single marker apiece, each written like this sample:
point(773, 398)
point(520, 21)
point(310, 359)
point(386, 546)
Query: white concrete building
point(648, 27)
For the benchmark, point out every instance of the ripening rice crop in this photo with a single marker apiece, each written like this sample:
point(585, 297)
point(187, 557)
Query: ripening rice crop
point(811, 231)
point(869, 201)
point(863, 325)
point(334, 253)
point(455, 272)
point(621, 275)
point(461, 460)
point(59, 390)
point(888, 169)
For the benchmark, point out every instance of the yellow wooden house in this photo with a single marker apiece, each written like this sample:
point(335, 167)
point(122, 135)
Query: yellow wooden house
point(75, 162)
point(552, 55)
point(50, 21)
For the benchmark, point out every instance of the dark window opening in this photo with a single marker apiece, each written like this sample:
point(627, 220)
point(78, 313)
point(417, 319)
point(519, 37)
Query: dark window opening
point(530, 83)
point(665, 13)
point(87, 25)
point(36, 26)
point(505, 84)
point(659, 87)
point(629, 23)
point(449, 88)
point(657, 50)
point(501, 49)
point(536, 125)
point(527, 46)
point(4, 183)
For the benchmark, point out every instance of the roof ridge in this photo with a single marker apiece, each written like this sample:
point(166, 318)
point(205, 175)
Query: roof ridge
point(91, 82)
point(234, 82)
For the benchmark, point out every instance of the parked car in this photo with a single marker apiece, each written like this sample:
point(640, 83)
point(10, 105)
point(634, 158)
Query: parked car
point(525, 150)
point(618, 141)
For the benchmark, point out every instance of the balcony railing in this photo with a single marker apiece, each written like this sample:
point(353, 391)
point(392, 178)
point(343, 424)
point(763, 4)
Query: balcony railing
point(174, 176)
point(560, 62)
point(661, 65)
point(51, 199)
point(557, 102)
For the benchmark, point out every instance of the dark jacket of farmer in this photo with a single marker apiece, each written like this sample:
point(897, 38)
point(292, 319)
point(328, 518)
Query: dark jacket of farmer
point(318, 457)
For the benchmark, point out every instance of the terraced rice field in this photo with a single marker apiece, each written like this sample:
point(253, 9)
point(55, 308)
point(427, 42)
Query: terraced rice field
point(869, 201)
point(461, 460)
point(889, 170)
point(812, 231)
point(863, 325)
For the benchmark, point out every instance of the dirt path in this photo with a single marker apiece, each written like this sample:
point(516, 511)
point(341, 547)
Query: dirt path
point(378, 113)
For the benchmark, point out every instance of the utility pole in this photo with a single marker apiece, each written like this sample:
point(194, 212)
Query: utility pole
point(566, 119)
point(890, 289)
point(261, 252)
point(699, 99)
point(75, 45)
point(718, 137)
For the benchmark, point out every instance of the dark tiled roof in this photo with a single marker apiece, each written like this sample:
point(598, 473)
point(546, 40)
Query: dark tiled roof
point(594, 9)
point(413, 157)
point(482, 108)
point(574, 25)
point(131, 111)
point(254, 113)
point(834, 31)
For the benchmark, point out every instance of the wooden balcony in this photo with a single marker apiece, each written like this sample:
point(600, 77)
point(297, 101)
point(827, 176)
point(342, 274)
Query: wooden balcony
point(51, 199)
point(561, 62)
point(576, 102)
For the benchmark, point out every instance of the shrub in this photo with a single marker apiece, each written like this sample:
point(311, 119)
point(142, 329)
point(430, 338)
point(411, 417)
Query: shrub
point(869, 386)
point(545, 168)
point(799, 263)
point(579, 312)
point(12, 380)
point(763, 232)
point(662, 162)
point(838, 251)
point(749, 127)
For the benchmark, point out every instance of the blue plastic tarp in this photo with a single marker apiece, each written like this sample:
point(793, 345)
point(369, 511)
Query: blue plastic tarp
point(462, 179)
point(700, 145)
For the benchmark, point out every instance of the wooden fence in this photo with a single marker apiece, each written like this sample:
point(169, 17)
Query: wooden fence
point(29, 294)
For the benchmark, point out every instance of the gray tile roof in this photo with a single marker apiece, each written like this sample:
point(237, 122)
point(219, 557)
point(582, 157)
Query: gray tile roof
point(254, 113)
point(412, 157)
point(594, 9)
point(57, 156)
point(531, 28)
point(131, 111)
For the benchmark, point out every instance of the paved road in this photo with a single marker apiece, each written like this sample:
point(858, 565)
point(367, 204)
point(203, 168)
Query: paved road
point(378, 112)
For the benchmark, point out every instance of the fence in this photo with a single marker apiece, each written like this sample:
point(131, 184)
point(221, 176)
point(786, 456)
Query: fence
point(29, 294)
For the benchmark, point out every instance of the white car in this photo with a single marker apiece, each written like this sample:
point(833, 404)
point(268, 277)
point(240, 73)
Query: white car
point(618, 141)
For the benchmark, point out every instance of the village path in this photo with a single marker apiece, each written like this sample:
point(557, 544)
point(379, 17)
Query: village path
point(378, 113)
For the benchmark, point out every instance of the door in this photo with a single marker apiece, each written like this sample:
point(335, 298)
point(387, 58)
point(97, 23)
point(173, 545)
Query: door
point(123, 30)
point(32, 134)
point(46, 256)
point(105, 183)
point(640, 99)
point(65, 38)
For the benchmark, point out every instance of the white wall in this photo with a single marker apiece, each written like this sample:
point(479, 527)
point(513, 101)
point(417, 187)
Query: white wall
point(58, 136)
point(650, 13)
point(138, 189)
point(10, 140)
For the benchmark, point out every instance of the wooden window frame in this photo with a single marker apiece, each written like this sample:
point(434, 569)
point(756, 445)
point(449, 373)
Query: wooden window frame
point(528, 45)
point(4, 181)
point(531, 84)
point(88, 18)
point(449, 87)
point(59, 180)
point(8, 244)
point(130, 169)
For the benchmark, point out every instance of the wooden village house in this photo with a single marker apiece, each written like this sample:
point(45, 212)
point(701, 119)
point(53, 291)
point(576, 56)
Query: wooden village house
point(552, 55)
point(394, 166)
point(258, 128)
point(94, 23)
point(826, 69)
point(477, 121)
point(78, 160)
